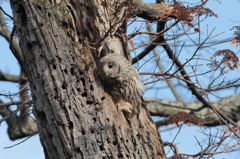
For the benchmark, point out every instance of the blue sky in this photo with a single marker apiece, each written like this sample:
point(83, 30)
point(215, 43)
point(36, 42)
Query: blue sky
point(228, 12)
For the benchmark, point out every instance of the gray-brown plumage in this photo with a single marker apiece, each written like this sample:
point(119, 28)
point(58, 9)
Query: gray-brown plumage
point(123, 84)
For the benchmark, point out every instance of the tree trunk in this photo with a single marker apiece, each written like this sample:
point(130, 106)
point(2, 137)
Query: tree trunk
point(62, 44)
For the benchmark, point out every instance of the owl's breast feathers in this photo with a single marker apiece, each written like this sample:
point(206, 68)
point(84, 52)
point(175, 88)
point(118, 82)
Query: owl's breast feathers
point(128, 90)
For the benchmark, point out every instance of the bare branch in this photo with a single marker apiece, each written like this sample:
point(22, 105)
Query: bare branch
point(18, 126)
point(12, 103)
point(16, 50)
point(164, 108)
point(149, 48)
point(160, 11)
point(9, 78)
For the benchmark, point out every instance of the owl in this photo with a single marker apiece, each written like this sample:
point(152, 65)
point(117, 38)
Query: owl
point(123, 84)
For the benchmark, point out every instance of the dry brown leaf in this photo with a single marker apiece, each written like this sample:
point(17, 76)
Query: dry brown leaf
point(131, 45)
point(196, 30)
point(233, 42)
point(185, 24)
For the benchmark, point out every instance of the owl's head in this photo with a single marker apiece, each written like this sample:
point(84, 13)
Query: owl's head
point(111, 68)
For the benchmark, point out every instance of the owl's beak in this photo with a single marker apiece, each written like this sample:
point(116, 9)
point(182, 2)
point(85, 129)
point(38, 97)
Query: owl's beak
point(107, 74)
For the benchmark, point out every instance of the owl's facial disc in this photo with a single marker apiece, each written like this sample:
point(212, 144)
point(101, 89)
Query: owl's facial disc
point(111, 69)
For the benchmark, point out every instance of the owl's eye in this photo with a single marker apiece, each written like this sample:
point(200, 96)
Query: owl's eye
point(110, 66)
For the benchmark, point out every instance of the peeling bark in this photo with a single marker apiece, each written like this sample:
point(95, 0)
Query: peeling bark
point(159, 11)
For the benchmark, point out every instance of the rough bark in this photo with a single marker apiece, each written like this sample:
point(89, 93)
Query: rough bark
point(61, 42)
point(148, 11)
